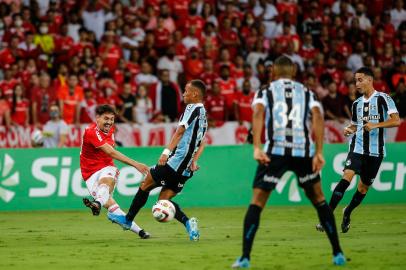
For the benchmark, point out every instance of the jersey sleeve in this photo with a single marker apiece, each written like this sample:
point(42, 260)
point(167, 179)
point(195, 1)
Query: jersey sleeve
point(259, 98)
point(95, 138)
point(314, 101)
point(354, 113)
point(190, 114)
point(390, 104)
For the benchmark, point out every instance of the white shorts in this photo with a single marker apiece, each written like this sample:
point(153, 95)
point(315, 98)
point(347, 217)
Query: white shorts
point(93, 182)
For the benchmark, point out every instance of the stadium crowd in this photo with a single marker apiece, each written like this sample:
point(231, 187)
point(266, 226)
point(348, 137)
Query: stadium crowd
point(137, 55)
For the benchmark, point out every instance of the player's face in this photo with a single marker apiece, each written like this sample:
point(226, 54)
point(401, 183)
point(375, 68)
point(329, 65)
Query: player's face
point(362, 82)
point(105, 121)
point(189, 94)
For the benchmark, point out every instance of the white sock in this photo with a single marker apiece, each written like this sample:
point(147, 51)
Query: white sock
point(102, 194)
point(115, 209)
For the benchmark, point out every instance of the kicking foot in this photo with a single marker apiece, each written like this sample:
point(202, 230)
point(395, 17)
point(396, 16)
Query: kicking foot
point(93, 205)
point(144, 235)
point(241, 263)
point(319, 228)
point(345, 225)
point(192, 229)
point(120, 220)
point(339, 259)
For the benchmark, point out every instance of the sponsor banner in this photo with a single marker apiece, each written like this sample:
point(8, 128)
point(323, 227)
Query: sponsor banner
point(51, 179)
point(231, 133)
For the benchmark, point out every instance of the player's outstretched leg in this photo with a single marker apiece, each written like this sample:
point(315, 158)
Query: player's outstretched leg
point(326, 217)
point(141, 198)
point(116, 215)
point(355, 201)
point(93, 205)
point(191, 224)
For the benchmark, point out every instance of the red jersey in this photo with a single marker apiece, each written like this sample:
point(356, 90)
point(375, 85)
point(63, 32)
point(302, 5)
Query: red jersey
point(244, 106)
point(216, 107)
point(93, 159)
point(111, 56)
point(227, 89)
point(20, 114)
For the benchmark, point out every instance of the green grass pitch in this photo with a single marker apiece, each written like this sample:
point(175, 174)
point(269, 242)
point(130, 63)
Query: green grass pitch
point(286, 240)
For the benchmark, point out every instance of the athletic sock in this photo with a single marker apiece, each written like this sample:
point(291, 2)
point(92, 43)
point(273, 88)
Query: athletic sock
point(251, 223)
point(356, 200)
point(115, 209)
point(139, 200)
point(338, 193)
point(102, 194)
point(179, 214)
point(327, 220)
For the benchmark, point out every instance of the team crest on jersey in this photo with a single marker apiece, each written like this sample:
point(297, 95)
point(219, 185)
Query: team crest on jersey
point(348, 162)
point(366, 109)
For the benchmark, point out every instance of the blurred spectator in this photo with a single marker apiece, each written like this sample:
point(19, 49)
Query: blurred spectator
point(256, 55)
point(127, 113)
point(4, 111)
point(350, 98)
point(20, 107)
point(296, 58)
point(7, 84)
point(88, 107)
point(191, 40)
point(216, 106)
point(398, 14)
point(70, 96)
point(162, 37)
point(166, 97)
point(208, 76)
point(55, 130)
point(400, 74)
point(127, 41)
point(193, 65)
point(95, 18)
point(171, 63)
point(146, 76)
point(227, 86)
point(379, 84)
point(42, 98)
point(253, 80)
point(242, 103)
point(400, 98)
point(334, 104)
point(110, 52)
point(143, 105)
point(364, 22)
point(46, 45)
point(28, 49)
point(355, 62)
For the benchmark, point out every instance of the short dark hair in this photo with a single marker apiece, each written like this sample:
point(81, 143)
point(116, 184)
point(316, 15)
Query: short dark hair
point(105, 108)
point(199, 85)
point(366, 71)
point(283, 60)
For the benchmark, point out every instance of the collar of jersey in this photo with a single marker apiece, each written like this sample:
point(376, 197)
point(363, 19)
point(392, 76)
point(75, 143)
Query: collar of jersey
point(369, 99)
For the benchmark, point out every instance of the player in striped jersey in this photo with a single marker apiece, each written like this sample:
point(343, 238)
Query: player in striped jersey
point(371, 114)
point(292, 112)
point(178, 161)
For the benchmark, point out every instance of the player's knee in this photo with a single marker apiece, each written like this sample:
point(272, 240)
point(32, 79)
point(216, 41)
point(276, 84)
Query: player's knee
point(362, 188)
point(348, 175)
point(260, 197)
point(314, 193)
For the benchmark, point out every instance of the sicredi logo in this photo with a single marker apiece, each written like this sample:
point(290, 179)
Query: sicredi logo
point(8, 178)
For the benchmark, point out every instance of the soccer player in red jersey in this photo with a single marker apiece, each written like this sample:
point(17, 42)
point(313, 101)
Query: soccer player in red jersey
point(97, 167)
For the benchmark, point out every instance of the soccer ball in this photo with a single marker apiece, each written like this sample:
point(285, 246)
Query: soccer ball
point(37, 139)
point(163, 211)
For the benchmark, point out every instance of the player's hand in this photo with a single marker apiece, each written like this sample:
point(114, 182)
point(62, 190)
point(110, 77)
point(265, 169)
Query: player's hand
point(194, 167)
point(318, 162)
point(142, 168)
point(261, 156)
point(162, 160)
point(348, 131)
point(369, 126)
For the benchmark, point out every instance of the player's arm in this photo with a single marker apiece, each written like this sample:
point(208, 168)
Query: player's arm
point(194, 167)
point(257, 124)
point(113, 153)
point(393, 121)
point(172, 144)
point(318, 129)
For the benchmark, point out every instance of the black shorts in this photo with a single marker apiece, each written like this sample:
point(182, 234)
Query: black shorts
point(267, 176)
point(365, 166)
point(165, 176)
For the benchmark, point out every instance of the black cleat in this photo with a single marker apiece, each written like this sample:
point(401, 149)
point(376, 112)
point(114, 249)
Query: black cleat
point(144, 235)
point(345, 225)
point(93, 205)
